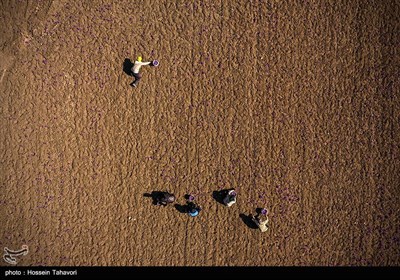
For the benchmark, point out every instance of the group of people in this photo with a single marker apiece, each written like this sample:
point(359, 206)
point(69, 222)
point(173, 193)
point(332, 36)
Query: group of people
point(191, 208)
point(228, 198)
point(165, 198)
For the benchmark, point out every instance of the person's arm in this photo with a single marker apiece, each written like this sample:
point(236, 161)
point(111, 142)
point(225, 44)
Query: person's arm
point(142, 63)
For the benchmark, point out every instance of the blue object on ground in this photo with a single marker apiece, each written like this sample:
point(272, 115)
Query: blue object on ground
point(194, 213)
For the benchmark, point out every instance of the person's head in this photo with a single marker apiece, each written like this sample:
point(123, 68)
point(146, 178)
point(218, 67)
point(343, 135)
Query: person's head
point(139, 59)
point(171, 198)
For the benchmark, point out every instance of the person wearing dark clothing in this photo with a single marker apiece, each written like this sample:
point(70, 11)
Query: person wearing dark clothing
point(193, 209)
point(230, 198)
point(164, 198)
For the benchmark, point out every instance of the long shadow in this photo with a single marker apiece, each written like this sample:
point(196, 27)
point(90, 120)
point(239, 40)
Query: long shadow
point(127, 66)
point(181, 208)
point(219, 195)
point(248, 221)
point(155, 195)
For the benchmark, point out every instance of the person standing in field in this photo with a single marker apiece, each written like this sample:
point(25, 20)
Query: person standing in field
point(164, 198)
point(193, 209)
point(230, 198)
point(261, 221)
point(135, 70)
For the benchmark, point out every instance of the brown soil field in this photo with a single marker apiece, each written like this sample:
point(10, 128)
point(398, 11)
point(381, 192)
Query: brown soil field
point(295, 104)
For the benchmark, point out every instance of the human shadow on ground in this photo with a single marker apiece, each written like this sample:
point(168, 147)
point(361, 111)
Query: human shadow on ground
point(220, 195)
point(155, 195)
point(248, 221)
point(127, 66)
point(181, 208)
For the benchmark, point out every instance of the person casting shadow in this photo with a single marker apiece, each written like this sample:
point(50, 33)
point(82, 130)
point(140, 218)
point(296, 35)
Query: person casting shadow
point(190, 208)
point(161, 198)
point(219, 195)
point(226, 197)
